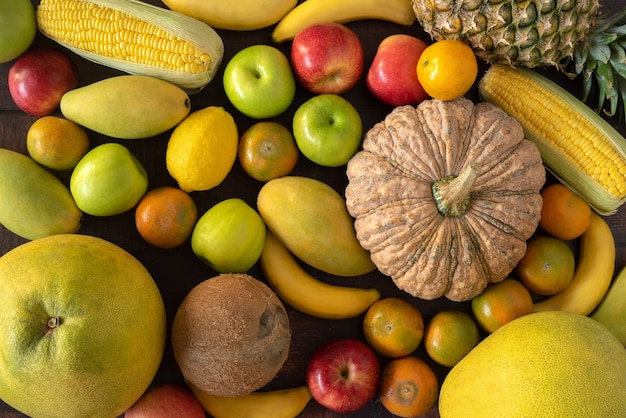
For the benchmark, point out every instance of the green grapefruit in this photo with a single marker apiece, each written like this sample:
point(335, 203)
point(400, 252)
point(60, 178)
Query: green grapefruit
point(545, 364)
point(82, 328)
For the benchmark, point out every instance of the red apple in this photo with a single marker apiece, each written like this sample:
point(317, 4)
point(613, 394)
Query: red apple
point(392, 77)
point(327, 58)
point(38, 79)
point(342, 375)
point(166, 401)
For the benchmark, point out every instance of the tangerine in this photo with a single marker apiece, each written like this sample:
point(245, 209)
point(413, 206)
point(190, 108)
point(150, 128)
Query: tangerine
point(56, 143)
point(165, 217)
point(449, 336)
point(548, 265)
point(564, 214)
point(500, 303)
point(393, 327)
point(408, 387)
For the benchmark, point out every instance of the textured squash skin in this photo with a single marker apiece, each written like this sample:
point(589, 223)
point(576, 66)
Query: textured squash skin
point(389, 193)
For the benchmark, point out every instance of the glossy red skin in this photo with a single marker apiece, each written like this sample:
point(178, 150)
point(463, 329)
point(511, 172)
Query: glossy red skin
point(39, 78)
point(327, 58)
point(166, 401)
point(343, 375)
point(392, 76)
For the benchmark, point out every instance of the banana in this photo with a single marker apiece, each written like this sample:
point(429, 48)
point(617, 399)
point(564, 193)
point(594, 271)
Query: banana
point(341, 11)
point(282, 403)
point(239, 15)
point(304, 292)
point(594, 272)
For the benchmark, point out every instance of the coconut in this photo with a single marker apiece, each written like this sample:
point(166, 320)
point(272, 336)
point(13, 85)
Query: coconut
point(230, 335)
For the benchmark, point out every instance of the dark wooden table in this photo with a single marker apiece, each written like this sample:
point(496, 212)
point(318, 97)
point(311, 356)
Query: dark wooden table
point(177, 271)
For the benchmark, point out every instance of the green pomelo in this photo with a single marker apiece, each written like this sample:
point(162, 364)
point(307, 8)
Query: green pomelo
point(82, 328)
point(544, 364)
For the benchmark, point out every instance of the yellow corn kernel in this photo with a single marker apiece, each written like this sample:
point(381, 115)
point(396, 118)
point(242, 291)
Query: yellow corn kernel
point(558, 122)
point(117, 35)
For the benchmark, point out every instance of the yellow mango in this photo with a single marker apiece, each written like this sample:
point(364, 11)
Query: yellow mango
point(311, 219)
point(33, 202)
point(127, 106)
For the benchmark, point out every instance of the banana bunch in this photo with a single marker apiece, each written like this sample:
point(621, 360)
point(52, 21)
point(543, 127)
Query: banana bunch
point(240, 15)
point(304, 292)
point(594, 272)
point(282, 403)
point(341, 11)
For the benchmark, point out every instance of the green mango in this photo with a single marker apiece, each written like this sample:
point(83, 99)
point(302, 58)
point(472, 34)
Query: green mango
point(33, 202)
point(311, 219)
point(127, 106)
point(611, 312)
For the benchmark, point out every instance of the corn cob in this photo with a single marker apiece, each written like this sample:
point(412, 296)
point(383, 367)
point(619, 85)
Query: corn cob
point(135, 37)
point(580, 148)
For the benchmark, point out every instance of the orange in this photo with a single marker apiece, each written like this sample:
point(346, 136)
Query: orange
point(564, 214)
point(548, 265)
point(447, 69)
point(393, 327)
point(56, 143)
point(267, 150)
point(165, 217)
point(449, 336)
point(500, 303)
point(408, 387)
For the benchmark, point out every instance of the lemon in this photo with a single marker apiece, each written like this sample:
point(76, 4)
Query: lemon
point(544, 364)
point(202, 149)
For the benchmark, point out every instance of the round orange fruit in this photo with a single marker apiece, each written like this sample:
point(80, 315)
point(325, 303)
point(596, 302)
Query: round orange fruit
point(165, 217)
point(548, 265)
point(56, 143)
point(449, 336)
point(500, 303)
point(393, 327)
point(267, 150)
point(408, 387)
point(564, 214)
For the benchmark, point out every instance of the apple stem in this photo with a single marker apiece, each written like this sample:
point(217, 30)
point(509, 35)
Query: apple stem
point(53, 322)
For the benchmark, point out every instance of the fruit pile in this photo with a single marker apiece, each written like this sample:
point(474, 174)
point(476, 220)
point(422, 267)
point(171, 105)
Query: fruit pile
point(272, 170)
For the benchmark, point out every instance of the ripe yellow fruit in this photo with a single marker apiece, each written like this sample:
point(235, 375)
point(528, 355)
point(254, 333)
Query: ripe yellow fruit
point(82, 328)
point(545, 364)
point(202, 149)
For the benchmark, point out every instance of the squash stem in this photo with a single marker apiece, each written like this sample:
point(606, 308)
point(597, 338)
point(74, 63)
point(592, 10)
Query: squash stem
point(452, 194)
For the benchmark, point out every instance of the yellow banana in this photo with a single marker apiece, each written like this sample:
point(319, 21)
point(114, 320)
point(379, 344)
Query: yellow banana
point(341, 11)
point(282, 403)
point(594, 272)
point(239, 15)
point(302, 291)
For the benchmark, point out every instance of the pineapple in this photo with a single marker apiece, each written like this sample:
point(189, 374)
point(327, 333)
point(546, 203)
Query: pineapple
point(536, 33)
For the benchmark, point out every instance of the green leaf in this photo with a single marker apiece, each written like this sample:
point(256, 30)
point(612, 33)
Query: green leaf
point(601, 53)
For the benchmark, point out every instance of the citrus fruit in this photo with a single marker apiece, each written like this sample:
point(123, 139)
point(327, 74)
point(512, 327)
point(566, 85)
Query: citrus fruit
point(393, 327)
point(408, 387)
point(548, 265)
point(449, 336)
point(56, 143)
point(83, 327)
point(229, 237)
point(165, 217)
point(548, 364)
point(500, 303)
point(564, 214)
point(447, 69)
point(267, 150)
point(202, 149)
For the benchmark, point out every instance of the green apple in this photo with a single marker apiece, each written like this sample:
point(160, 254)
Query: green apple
point(108, 180)
point(259, 82)
point(328, 130)
point(17, 28)
point(229, 237)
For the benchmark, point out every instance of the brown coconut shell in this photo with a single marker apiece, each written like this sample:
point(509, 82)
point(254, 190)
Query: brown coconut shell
point(230, 335)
